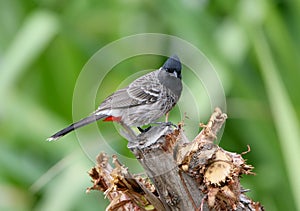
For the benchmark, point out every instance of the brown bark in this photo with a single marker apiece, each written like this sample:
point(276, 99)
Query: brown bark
point(181, 175)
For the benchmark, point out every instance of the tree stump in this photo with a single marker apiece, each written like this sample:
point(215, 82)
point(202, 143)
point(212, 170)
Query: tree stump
point(181, 175)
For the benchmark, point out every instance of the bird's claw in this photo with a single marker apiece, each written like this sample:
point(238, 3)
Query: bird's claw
point(166, 124)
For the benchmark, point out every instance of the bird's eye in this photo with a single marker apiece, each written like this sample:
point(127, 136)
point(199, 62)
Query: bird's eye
point(170, 70)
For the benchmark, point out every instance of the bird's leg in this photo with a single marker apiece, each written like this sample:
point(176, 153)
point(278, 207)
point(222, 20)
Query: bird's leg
point(167, 117)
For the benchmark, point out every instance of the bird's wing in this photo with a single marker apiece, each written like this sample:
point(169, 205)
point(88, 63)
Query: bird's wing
point(144, 90)
point(119, 99)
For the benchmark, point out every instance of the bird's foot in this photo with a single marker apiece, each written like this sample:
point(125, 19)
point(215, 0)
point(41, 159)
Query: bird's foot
point(166, 123)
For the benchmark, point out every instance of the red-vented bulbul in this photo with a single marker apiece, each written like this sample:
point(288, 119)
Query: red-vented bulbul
point(142, 102)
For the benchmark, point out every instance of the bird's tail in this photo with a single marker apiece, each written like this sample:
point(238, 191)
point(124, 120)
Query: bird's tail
point(80, 123)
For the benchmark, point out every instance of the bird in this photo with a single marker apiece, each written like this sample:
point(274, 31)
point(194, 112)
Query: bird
point(142, 102)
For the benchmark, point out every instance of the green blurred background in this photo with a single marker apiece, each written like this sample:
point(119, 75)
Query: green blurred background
point(254, 46)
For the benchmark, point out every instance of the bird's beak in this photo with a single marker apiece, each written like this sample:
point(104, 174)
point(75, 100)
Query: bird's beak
point(175, 74)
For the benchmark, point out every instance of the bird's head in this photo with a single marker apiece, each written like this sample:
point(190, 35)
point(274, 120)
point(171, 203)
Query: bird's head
point(173, 66)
